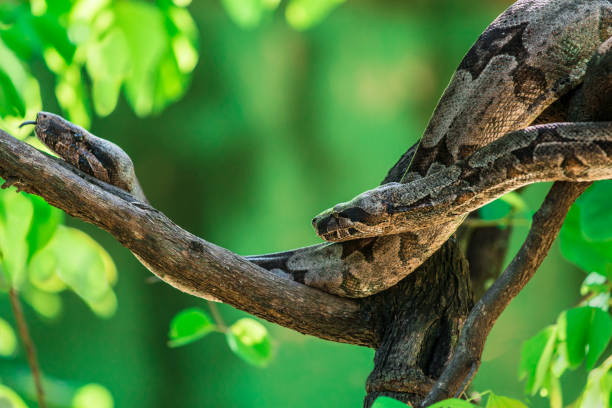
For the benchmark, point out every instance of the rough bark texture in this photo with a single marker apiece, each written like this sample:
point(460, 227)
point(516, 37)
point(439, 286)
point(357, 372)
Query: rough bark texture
point(421, 318)
point(180, 258)
point(547, 223)
point(417, 326)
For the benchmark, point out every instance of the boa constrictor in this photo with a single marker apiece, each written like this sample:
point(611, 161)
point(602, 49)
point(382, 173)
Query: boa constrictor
point(478, 145)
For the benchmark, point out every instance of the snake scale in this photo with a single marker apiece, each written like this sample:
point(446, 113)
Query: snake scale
point(482, 141)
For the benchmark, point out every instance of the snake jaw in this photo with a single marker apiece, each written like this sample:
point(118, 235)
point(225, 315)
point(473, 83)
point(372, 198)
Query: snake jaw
point(345, 222)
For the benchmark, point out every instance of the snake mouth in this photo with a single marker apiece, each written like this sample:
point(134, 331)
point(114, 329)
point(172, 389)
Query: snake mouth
point(351, 223)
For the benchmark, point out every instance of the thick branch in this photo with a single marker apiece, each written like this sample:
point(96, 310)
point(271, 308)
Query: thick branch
point(181, 259)
point(589, 102)
point(546, 225)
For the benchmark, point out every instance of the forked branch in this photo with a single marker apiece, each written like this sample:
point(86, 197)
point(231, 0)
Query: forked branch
point(547, 223)
point(178, 257)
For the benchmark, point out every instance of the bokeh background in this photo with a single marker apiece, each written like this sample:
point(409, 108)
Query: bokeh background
point(277, 125)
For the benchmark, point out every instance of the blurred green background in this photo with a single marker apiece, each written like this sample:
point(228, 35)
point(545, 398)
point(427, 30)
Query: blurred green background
point(277, 125)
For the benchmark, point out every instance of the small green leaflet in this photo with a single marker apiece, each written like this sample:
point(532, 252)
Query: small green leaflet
point(595, 214)
point(536, 355)
point(88, 271)
point(387, 402)
point(595, 283)
point(15, 219)
point(588, 255)
point(8, 340)
point(188, 326)
point(497, 401)
point(10, 399)
point(93, 396)
point(452, 403)
point(44, 223)
point(249, 339)
point(587, 333)
point(598, 388)
point(303, 14)
point(249, 13)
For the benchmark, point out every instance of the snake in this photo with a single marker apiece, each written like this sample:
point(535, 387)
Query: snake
point(498, 126)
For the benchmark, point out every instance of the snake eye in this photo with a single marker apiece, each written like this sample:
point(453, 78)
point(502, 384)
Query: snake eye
point(78, 136)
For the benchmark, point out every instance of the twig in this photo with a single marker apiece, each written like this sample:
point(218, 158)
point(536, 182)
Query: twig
point(214, 310)
point(30, 349)
point(547, 222)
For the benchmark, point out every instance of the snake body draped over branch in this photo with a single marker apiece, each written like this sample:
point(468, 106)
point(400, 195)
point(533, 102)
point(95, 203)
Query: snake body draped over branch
point(488, 135)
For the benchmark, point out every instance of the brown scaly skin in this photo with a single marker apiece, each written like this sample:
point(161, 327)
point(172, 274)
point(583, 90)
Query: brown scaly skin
point(93, 155)
point(529, 57)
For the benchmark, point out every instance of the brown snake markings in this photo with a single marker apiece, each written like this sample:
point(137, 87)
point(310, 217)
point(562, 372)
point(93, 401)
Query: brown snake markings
point(478, 145)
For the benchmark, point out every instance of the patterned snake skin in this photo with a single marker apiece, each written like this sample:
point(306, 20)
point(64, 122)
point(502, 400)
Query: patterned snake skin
point(480, 144)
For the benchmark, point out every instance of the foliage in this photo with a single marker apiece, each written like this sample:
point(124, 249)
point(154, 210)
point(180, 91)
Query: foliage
point(247, 338)
point(94, 53)
point(493, 401)
point(582, 333)
point(151, 61)
point(300, 14)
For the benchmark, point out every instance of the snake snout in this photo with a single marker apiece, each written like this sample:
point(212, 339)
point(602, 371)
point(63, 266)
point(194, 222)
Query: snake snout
point(341, 224)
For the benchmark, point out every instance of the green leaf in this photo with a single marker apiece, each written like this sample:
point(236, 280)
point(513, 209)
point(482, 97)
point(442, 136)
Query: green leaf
point(595, 214)
point(19, 33)
point(600, 332)
point(597, 390)
point(15, 217)
point(146, 41)
point(590, 256)
point(13, 80)
point(587, 333)
point(249, 339)
point(93, 396)
point(105, 93)
point(82, 264)
point(188, 326)
point(8, 340)
point(108, 63)
point(303, 14)
point(72, 96)
point(536, 356)
point(497, 401)
point(10, 399)
point(594, 282)
point(47, 305)
point(248, 13)
point(387, 402)
point(452, 403)
point(600, 301)
point(45, 220)
point(577, 324)
point(54, 35)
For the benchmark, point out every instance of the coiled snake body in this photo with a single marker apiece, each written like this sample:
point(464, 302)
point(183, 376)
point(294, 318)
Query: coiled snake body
point(478, 145)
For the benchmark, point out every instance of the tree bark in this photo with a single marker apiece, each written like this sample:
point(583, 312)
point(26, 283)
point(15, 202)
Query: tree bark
point(421, 318)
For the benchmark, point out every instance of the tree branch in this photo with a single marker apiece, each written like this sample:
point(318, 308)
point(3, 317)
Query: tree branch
point(547, 223)
point(589, 102)
point(181, 259)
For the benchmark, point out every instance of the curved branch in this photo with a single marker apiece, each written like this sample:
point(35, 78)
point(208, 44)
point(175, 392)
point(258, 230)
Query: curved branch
point(181, 259)
point(547, 223)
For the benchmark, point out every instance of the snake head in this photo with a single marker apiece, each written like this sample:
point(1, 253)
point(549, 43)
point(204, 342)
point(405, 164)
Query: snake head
point(364, 216)
point(58, 134)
